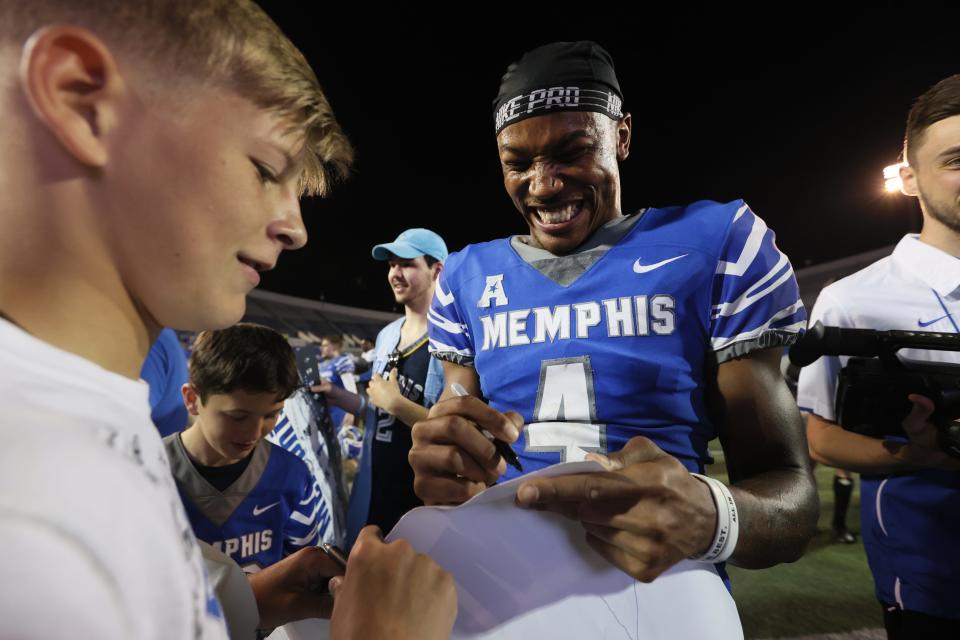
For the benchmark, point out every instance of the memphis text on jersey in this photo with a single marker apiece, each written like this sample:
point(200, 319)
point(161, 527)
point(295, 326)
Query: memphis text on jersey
point(249, 544)
point(619, 317)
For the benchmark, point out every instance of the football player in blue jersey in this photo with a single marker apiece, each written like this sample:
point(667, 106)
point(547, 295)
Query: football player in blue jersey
point(630, 339)
point(252, 500)
point(334, 368)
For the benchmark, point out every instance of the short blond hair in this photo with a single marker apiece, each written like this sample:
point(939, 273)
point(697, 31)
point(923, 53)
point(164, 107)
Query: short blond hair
point(231, 44)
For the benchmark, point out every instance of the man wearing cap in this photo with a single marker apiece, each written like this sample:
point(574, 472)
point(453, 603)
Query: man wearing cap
point(631, 339)
point(405, 382)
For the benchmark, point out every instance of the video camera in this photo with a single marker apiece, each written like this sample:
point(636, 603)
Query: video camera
point(873, 386)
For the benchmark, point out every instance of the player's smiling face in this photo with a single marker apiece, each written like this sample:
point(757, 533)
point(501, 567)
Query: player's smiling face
point(561, 172)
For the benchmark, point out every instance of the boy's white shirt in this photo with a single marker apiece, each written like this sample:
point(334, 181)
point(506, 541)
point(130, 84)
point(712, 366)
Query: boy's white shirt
point(95, 541)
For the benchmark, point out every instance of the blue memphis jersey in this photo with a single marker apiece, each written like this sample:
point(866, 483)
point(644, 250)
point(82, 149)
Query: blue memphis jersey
point(272, 510)
point(351, 442)
point(623, 349)
point(333, 368)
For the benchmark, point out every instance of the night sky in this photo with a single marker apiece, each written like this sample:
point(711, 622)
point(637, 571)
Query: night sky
point(797, 117)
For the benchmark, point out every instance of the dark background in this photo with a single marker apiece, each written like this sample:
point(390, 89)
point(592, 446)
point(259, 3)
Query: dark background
point(797, 113)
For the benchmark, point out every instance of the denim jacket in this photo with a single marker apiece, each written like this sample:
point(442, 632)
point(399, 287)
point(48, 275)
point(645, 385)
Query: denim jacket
point(387, 340)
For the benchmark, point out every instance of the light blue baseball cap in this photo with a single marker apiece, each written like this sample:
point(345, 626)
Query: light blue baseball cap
point(413, 243)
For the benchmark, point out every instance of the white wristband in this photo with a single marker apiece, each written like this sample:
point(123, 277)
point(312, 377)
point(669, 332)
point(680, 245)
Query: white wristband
point(728, 523)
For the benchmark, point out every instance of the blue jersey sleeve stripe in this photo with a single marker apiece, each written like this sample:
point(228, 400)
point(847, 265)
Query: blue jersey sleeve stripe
point(782, 264)
point(304, 529)
point(447, 313)
point(344, 364)
point(440, 322)
point(436, 346)
point(445, 340)
point(771, 273)
point(792, 320)
point(752, 296)
point(313, 495)
point(446, 330)
point(744, 208)
point(440, 296)
point(751, 246)
point(756, 291)
point(310, 538)
point(306, 519)
point(760, 317)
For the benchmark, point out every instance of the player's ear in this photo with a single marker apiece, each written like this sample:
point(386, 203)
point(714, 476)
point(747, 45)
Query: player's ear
point(624, 133)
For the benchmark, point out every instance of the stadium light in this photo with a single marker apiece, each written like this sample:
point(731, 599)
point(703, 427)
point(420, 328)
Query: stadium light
point(891, 177)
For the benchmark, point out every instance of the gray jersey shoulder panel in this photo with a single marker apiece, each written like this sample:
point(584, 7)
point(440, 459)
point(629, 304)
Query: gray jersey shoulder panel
point(216, 506)
point(564, 270)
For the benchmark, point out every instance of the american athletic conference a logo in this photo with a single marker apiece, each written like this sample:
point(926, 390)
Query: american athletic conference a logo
point(493, 292)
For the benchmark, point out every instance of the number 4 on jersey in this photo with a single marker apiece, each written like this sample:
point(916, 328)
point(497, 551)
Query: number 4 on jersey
point(566, 411)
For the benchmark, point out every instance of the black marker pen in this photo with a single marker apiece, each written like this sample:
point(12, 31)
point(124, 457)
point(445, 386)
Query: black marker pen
point(504, 449)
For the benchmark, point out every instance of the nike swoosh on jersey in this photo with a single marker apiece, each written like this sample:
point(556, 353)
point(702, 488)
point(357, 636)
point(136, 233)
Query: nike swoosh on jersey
point(257, 510)
point(921, 323)
point(644, 268)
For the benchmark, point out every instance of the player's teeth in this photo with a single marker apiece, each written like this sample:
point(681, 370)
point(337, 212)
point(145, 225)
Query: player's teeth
point(558, 214)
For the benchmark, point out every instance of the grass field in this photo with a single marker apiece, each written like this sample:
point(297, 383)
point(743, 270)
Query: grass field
point(829, 590)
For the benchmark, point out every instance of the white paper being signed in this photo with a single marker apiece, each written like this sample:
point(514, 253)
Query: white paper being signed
point(529, 574)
